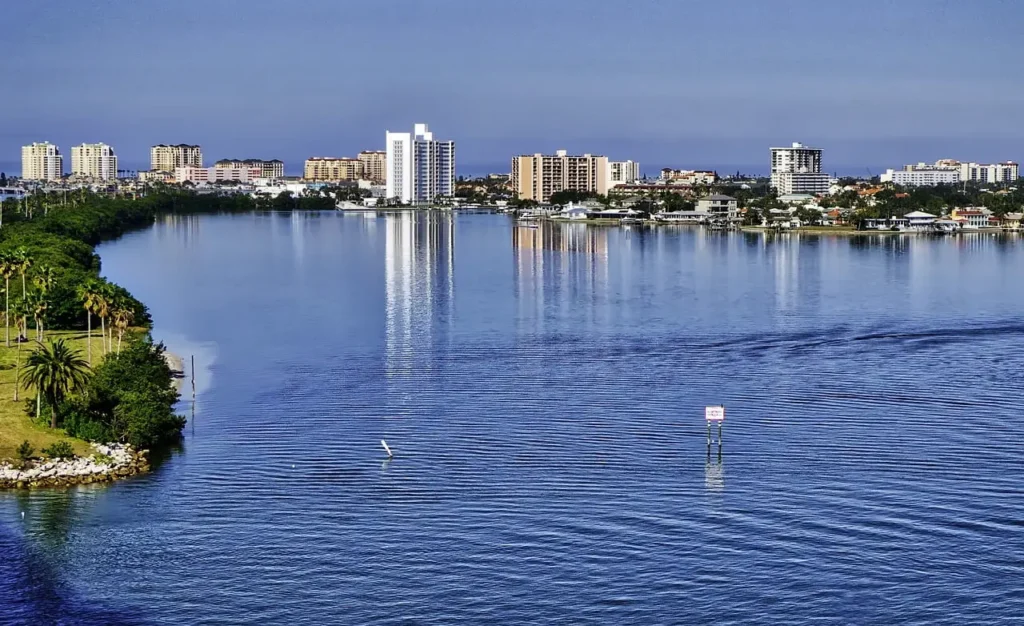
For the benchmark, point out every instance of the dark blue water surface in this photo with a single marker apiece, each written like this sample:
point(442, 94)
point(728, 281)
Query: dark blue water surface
point(543, 391)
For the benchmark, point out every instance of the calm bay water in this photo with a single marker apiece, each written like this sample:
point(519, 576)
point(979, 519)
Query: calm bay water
point(543, 391)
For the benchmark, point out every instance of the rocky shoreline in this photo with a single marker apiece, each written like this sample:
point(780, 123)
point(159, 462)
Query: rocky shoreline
point(110, 462)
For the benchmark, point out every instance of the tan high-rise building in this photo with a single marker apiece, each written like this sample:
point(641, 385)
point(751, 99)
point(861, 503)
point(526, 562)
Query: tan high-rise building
point(41, 161)
point(536, 177)
point(168, 158)
point(375, 165)
point(332, 169)
point(94, 160)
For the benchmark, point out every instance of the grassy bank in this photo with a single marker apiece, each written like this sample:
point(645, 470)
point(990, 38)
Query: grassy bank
point(15, 424)
point(51, 274)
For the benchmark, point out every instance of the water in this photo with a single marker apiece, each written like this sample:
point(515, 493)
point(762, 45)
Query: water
point(543, 391)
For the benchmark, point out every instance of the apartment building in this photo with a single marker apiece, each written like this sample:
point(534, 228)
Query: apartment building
point(217, 174)
point(332, 169)
point(797, 170)
point(536, 177)
point(41, 161)
point(165, 158)
point(914, 176)
point(623, 173)
point(1005, 172)
point(688, 177)
point(375, 165)
point(420, 168)
point(94, 160)
point(268, 169)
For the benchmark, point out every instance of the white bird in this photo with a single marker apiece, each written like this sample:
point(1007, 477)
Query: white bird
point(386, 448)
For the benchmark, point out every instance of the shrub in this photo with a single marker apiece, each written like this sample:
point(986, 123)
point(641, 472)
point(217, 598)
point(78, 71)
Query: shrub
point(25, 451)
point(82, 422)
point(130, 398)
point(60, 450)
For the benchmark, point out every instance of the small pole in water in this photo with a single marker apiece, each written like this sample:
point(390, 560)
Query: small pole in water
point(193, 375)
point(386, 448)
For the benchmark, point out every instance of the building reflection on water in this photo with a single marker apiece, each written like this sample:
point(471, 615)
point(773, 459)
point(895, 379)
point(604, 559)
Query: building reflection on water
point(558, 265)
point(419, 274)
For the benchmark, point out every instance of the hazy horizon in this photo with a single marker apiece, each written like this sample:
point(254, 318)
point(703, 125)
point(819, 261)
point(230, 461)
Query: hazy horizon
point(665, 83)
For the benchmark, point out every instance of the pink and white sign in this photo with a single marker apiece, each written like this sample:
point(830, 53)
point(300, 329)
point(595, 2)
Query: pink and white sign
point(714, 413)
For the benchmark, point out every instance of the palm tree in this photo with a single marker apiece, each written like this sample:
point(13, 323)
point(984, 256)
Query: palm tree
point(123, 316)
point(89, 293)
point(103, 299)
point(38, 305)
point(8, 267)
point(55, 371)
point(24, 261)
point(21, 313)
point(45, 279)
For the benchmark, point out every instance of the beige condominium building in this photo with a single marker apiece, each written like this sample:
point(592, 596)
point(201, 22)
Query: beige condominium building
point(168, 158)
point(536, 177)
point(41, 161)
point(332, 169)
point(94, 160)
point(268, 169)
point(375, 165)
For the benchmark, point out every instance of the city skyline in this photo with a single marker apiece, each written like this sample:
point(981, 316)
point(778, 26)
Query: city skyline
point(701, 85)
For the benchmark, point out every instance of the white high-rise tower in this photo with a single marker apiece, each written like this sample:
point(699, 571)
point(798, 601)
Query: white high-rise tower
point(797, 170)
point(419, 168)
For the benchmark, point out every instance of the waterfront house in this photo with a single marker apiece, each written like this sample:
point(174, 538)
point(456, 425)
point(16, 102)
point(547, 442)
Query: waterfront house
point(1011, 221)
point(612, 214)
point(920, 221)
point(971, 217)
point(573, 212)
point(684, 217)
point(886, 223)
point(719, 206)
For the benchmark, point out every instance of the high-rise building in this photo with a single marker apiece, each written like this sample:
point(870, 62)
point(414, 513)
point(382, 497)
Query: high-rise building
point(332, 169)
point(268, 169)
point(1006, 172)
point(41, 161)
point(168, 158)
point(623, 172)
point(94, 160)
point(375, 165)
point(922, 175)
point(536, 177)
point(420, 169)
point(797, 170)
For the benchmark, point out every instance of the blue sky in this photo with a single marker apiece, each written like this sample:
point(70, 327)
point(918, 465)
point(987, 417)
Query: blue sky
point(666, 82)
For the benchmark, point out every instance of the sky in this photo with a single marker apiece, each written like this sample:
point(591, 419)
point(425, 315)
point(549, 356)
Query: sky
point(681, 83)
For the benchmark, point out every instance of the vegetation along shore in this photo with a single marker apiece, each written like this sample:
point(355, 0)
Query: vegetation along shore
point(78, 366)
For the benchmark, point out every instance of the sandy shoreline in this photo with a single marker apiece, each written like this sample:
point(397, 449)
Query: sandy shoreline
point(177, 365)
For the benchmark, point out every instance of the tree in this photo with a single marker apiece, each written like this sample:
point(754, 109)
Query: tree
point(103, 300)
point(24, 261)
point(56, 371)
point(37, 306)
point(21, 313)
point(8, 268)
point(122, 316)
point(89, 294)
point(45, 279)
